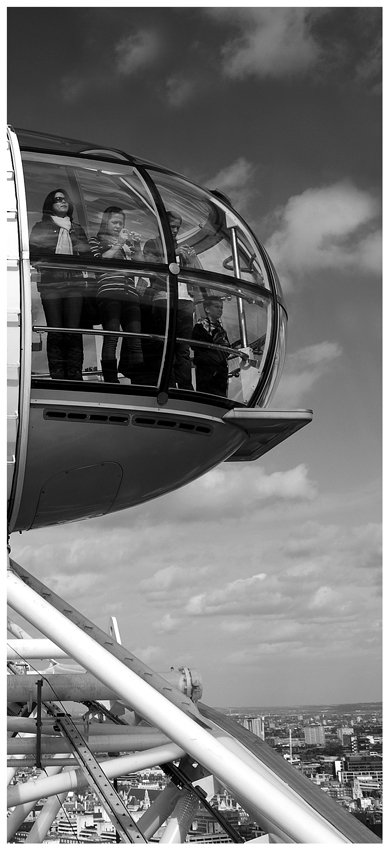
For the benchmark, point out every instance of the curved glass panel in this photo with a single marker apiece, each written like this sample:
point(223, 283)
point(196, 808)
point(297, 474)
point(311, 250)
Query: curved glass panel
point(104, 305)
point(92, 188)
point(209, 228)
point(227, 341)
point(131, 354)
point(278, 364)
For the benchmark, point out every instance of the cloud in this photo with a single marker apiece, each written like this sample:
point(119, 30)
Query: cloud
point(74, 585)
point(328, 228)
point(303, 369)
point(169, 582)
point(147, 654)
point(274, 42)
point(73, 86)
point(167, 625)
point(137, 51)
point(236, 180)
point(368, 71)
point(239, 492)
point(179, 90)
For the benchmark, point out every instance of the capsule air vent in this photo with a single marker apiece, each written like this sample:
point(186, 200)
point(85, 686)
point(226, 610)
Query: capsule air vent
point(84, 416)
point(172, 424)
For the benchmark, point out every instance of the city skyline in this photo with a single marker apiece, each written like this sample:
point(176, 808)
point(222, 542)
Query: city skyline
point(263, 576)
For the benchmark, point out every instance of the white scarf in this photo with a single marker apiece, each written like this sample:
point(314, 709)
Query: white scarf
point(64, 242)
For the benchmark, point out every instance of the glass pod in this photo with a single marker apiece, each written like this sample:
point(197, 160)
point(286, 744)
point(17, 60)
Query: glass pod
point(159, 285)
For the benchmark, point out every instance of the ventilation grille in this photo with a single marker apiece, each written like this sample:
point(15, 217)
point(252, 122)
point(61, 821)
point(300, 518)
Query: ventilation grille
point(82, 416)
point(172, 424)
point(190, 427)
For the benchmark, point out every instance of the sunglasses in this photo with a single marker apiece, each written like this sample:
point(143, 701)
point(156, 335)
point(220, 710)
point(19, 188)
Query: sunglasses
point(58, 199)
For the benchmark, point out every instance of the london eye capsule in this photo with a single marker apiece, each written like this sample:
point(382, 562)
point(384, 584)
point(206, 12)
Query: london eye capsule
point(146, 332)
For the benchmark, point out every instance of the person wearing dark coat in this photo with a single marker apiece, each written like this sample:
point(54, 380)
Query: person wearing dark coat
point(211, 363)
point(186, 257)
point(61, 290)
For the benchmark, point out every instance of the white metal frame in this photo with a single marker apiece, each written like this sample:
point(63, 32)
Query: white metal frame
point(259, 790)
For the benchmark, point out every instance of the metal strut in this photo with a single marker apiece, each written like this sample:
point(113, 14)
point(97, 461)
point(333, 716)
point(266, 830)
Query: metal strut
point(181, 780)
point(108, 643)
point(108, 796)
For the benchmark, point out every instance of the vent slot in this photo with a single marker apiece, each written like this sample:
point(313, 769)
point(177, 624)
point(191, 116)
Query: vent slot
point(172, 424)
point(84, 416)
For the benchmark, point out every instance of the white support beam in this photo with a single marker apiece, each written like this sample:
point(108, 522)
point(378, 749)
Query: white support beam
point(49, 727)
point(24, 792)
point(296, 818)
point(96, 743)
point(181, 819)
point(45, 819)
point(18, 816)
point(33, 648)
point(159, 810)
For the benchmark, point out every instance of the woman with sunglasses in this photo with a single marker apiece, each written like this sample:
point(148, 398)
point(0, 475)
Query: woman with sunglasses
point(61, 289)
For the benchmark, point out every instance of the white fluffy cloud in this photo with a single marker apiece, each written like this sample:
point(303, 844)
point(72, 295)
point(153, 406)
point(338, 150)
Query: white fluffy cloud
point(273, 42)
point(137, 51)
point(316, 592)
point(236, 180)
point(302, 370)
point(332, 227)
point(239, 491)
point(167, 624)
point(179, 89)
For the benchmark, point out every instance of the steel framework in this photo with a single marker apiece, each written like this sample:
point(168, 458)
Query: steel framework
point(200, 749)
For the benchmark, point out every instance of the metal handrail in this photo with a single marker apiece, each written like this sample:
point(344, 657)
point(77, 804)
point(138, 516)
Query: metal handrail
point(193, 343)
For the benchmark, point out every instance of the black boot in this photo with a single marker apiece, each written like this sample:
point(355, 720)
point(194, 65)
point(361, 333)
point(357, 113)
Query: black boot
point(110, 371)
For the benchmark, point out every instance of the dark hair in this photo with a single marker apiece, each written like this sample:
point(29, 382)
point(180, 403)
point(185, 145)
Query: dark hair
point(170, 214)
point(209, 299)
point(48, 203)
point(110, 211)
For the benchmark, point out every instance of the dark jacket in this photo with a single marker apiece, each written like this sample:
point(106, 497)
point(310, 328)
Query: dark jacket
point(207, 331)
point(43, 242)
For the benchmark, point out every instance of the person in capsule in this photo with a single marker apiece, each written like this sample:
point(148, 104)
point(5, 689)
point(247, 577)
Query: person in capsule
point(186, 256)
point(117, 299)
point(211, 363)
point(62, 290)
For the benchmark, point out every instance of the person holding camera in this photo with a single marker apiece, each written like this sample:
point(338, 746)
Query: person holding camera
point(117, 299)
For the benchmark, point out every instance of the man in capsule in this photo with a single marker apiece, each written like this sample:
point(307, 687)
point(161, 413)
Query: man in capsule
point(186, 256)
point(211, 363)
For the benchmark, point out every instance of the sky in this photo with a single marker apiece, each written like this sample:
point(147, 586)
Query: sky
point(263, 576)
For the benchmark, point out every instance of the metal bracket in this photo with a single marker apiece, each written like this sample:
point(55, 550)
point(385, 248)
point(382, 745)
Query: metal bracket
point(122, 820)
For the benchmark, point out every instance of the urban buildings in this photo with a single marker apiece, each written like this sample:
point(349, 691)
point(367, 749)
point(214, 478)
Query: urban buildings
point(307, 737)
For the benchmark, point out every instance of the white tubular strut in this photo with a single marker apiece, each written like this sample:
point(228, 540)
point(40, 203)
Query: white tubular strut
point(182, 817)
point(96, 744)
point(45, 819)
point(18, 816)
point(159, 810)
point(37, 788)
point(298, 820)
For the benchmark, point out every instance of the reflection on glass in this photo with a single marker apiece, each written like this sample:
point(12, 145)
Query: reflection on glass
point(116, 295)
point(131, 350)
point(207, 225)
point(93, 186)
point(224, 325)
point(61, 290)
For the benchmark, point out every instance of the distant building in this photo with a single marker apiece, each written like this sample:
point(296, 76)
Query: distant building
point(256, 725)
point(362, 767)
point(345, 733)
point(314, 735)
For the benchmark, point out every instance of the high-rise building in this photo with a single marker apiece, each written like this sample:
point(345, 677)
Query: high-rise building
point(344, 734)
point(255, 725)
point(314, 735)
